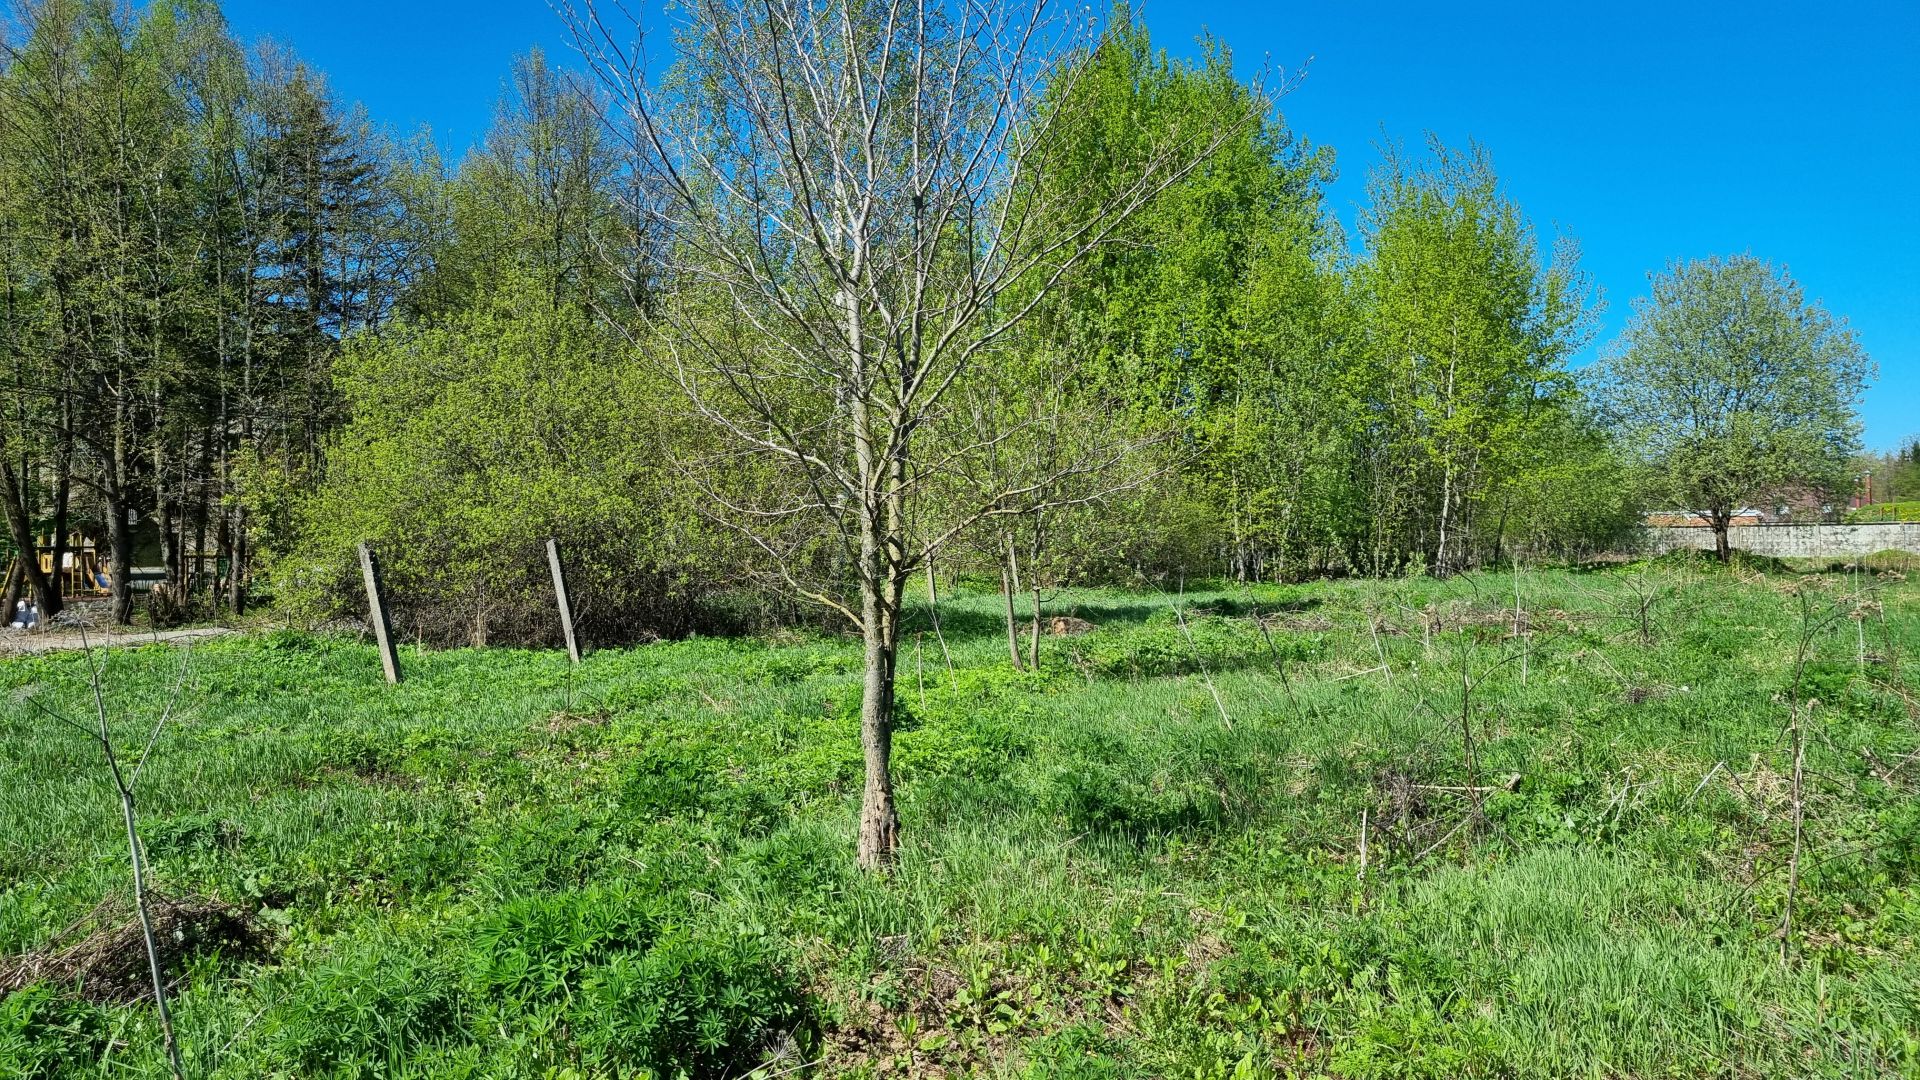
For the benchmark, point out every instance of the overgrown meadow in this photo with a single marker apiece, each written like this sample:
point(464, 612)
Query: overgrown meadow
point(1355, 829)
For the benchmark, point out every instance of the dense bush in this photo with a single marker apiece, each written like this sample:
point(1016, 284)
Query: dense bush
point(474, 439)
point(689, 1005)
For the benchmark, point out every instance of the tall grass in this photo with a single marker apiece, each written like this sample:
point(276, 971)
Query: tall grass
point(643, 866)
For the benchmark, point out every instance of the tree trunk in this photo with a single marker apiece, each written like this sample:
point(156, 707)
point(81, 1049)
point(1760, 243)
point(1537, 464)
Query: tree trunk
point(879, 822)
point(163, 515)
point(223, 551)
point(1033, 580)
point(16, 583)
point(1441, 567)
point(882, 464)
point(882, 595)
point(237, 566)
point(120, 555)
point(62, 498)
point(119, 529)
point(1722, 547)
point(198, 514)
point(20, 528)
point(1010, 584)
point(1442, 564)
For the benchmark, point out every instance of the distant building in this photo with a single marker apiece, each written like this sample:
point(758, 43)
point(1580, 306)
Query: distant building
point(1790, 504)
point(1689, 519)
point(1798, 504)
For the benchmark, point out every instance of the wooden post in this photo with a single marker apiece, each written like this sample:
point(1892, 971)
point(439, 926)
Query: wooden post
point(565, 600)
point(377, 615)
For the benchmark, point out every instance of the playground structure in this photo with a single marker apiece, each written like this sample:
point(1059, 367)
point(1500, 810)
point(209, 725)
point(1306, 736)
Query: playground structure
point(80, 572)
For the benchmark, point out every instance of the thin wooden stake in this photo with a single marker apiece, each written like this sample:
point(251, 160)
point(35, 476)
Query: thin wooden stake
point(1200, 663)
point(1518, 631)
point(377, 614)
point(1010, 584)
point(564, 599)
point(1361, 877)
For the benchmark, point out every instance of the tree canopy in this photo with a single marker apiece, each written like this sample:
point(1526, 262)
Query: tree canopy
point(1730, 385)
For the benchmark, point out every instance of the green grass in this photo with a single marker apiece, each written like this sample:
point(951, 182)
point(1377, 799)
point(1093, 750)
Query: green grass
point(1897, 511)
point(507, 867)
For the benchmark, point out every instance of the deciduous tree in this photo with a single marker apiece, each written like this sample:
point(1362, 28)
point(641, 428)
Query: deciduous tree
point(1729, 383)
point(851, 194)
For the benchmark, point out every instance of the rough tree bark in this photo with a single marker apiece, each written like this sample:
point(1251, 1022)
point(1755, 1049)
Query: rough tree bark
point(1721, 518)
point(113, 492)
point(237, 565)
point(1009, 586)
point(20, 528)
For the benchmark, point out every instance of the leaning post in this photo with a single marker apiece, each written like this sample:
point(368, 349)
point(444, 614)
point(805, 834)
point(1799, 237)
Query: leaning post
point(564, 598)
point(377, 614)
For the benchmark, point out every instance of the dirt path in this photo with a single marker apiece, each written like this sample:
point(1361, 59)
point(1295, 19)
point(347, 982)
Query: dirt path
point(28, 642)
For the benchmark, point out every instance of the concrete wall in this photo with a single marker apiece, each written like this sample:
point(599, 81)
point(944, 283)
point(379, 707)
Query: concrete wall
point(1797, 541)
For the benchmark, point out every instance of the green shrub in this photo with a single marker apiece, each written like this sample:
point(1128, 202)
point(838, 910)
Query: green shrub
point(1209, 643)
point(662, 780)
point(366, 1008)
point(538, 948)
point(694, 1004)
point(490, 431)
point(46, 1033)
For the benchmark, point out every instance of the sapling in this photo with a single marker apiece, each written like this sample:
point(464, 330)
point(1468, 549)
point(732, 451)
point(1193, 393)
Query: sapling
point(1279, 662)
point(1799, 709)
point(1647, 592)
point(1200, 662)
point(1798, 731)
point(125, 782)
point(1519, 631)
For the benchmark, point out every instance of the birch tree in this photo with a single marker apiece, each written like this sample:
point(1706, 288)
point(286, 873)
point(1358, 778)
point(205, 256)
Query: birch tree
point(1467, 332)
point(849, 194)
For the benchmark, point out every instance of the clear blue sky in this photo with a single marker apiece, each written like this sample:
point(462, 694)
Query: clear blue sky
point(1649, 131)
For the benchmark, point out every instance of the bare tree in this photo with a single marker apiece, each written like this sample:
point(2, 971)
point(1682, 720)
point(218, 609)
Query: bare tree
point(850, 197)
point(125, 775)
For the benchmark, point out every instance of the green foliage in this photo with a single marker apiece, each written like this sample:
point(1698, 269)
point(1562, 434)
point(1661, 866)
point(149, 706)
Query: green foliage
point(1460, 827)
point(1895, 511)
point(1729, 385)
point(688, 1006)
point(1409, 406)
point(1466, 332)
point(45, 1034)
point(539, 948)
point(511, 867)
point(187, 233)
point(473, 441)
point(365, 1008)
point(1204, 643)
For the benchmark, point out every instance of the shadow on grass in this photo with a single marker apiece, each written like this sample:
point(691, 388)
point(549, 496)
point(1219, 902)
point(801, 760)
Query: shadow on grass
point(965, 620)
